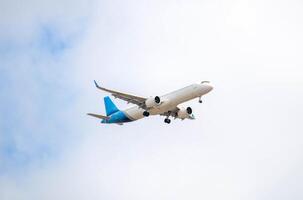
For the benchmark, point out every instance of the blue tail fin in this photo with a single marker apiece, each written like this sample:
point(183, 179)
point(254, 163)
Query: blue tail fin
point(110, 107)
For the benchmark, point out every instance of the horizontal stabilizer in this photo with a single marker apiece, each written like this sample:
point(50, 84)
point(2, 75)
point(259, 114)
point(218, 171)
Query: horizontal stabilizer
point(98, 116)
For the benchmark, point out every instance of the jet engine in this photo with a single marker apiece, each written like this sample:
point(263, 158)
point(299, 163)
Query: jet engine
point(185, 113)
point(152, 101)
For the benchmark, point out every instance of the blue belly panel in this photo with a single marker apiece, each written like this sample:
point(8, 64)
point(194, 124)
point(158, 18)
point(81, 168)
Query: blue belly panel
point(117, 117)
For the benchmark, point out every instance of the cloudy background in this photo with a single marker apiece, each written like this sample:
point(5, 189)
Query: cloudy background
point(246, 142)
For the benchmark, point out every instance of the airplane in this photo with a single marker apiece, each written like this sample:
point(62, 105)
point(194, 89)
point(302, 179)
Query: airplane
point(166, 105)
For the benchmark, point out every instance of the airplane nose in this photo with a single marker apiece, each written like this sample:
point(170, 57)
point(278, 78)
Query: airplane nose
point(209, 88)
point(206, 87)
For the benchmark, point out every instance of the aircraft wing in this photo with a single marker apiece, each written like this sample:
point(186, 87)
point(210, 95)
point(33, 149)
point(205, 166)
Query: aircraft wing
point(140, 101)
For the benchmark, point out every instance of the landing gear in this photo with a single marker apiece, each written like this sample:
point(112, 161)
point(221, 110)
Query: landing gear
point(200, 100)
point(145, 113)
point(166, 120)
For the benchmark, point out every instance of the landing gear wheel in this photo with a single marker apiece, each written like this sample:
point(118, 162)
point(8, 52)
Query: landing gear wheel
point(145, 113)
point(200, 100)
point(167, 120)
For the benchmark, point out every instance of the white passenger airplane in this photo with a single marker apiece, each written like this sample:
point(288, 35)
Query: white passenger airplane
point(166, 105)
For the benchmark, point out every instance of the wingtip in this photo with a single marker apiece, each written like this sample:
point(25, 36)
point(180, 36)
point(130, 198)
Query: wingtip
point(96, 84)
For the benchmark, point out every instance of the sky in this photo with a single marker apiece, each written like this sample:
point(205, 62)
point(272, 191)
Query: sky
point(246, 141)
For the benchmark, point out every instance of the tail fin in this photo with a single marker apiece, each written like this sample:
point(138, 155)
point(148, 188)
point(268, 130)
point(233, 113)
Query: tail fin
point(110, 107)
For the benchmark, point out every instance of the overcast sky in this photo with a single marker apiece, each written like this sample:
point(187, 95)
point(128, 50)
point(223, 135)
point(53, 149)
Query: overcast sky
point(246, 142)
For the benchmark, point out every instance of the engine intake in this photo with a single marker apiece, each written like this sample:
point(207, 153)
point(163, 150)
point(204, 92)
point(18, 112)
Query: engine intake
point(189, 110)
point(185, 113)
point(152, 101)
point(157, 99)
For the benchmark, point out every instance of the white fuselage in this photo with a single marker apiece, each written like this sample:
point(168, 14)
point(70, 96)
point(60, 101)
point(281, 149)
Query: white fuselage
point(170, 101)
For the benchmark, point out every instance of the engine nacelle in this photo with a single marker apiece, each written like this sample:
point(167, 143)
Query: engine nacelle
point(153, 101)
point(185, 113)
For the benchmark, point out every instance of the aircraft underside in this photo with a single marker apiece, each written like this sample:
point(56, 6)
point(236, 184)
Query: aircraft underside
point(167, 105)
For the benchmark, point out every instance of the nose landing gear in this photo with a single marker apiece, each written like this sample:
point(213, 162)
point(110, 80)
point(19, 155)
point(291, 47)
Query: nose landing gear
point(200, 100)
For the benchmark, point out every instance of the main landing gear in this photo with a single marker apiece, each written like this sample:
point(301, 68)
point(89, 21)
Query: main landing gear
point(166, 120)
point(145, 113)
